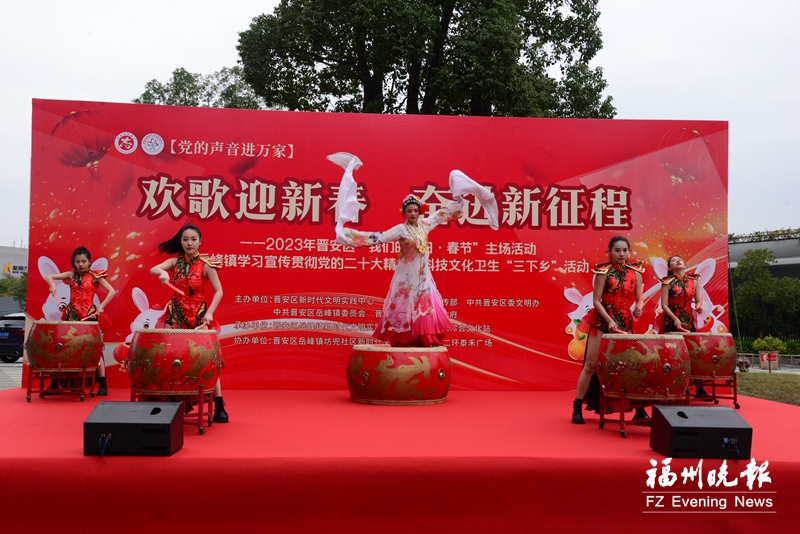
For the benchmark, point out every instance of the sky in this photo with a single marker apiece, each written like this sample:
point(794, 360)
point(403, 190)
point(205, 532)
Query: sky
point(663, 59)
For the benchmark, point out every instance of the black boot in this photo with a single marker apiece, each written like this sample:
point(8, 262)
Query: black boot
point(640, 415)
point(102, 390)
point(53, 389)
point(220, 415)
point(700, 392)
point(577, 416)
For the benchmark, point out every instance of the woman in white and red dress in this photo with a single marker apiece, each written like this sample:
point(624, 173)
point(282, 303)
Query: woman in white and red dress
point(413, 314)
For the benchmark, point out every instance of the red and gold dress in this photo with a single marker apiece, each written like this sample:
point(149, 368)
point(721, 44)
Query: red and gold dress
point(619, 295)
point(187, 311)
point(682, 291)
point(82, 288)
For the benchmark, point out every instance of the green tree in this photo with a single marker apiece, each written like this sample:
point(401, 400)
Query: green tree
point(478, 57)
point(20, 290)
point(229, 90)
point(5, 284)
point(225, 88)
point(765, 304)
point(15, 287)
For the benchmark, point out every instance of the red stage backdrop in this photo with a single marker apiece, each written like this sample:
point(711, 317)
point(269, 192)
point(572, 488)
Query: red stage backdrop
point(120, 178)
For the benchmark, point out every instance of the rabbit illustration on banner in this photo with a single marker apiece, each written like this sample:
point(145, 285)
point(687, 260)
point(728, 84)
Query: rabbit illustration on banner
point(709, 320)
point(583, 303)
point(660, 268)
point(149, 317)
point(53, 307)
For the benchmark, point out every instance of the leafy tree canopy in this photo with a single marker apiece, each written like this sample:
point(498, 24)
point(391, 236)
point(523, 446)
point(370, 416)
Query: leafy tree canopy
point(20, 290)
point(478, 57)
point(16, 287)
point(766, 305)
point(223, 89)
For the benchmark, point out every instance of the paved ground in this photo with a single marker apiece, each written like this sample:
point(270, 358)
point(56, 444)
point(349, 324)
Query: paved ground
point(10, 375)
point(795, 370)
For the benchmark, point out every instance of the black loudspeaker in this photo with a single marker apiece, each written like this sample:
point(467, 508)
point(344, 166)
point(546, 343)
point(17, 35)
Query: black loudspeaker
point(700, 432)
point(133, 429)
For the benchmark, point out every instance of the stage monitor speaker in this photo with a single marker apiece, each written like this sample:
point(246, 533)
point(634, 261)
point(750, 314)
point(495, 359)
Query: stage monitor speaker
point(700, 432)
point(135, 429)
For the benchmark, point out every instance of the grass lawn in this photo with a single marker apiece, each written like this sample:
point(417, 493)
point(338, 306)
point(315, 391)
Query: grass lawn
point(778, 387)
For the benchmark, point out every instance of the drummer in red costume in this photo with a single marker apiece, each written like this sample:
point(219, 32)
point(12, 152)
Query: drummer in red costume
point(83, 284)
point(617, 286)
point(190, 272)
point(678, 290)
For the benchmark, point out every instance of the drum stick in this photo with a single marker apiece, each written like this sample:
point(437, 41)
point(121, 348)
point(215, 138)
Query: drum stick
point(618, 331)
point(176, 290)
point(89, 317)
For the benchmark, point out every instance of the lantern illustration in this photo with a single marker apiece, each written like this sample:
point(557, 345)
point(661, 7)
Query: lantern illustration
point(81, 139)
point(686, 156)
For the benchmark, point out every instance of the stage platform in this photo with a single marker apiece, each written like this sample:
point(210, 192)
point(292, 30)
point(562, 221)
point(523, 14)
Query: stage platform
point(313, 461)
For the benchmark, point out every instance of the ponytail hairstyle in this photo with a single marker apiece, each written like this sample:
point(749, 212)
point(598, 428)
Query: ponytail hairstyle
point(173, 244)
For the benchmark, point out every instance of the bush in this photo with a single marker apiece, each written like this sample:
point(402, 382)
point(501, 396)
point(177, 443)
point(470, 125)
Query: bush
point(769, 344)
point(793, 347)
point(745, 345)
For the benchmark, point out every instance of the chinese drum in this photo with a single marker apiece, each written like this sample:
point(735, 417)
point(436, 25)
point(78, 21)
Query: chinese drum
point(174, 362)
point(643, 367)
point(379, 374)
point(64, 346)
point(711, 355)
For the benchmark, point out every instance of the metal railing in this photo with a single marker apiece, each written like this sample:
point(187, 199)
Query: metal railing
point(786, 361)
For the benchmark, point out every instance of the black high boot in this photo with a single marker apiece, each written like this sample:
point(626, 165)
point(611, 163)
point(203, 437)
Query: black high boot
point(102, 390)
point(700, 392)
point(53, 389)
point(220, 415)
point(640, 415)
point(577, 416)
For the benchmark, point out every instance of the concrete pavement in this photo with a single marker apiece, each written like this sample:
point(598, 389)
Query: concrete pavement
point(10, 375)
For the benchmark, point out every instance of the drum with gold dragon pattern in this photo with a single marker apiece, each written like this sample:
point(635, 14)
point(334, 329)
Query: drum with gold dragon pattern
point(643, 367)
point(64, 345)
point(174, 362)
point(712, 355)
point(379, 374)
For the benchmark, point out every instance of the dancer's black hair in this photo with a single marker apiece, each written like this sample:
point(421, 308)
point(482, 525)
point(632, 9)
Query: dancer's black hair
point(615, 239)
point(173, 244)
point(81, 251)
